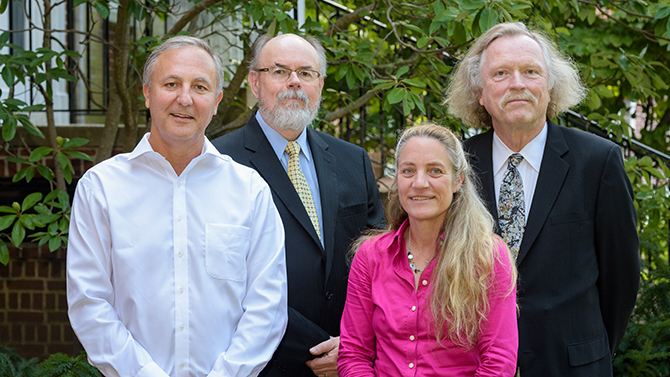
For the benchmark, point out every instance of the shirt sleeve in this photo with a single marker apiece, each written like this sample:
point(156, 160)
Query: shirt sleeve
point(263, 323)
point(499, 342)
point(109, 344)
point(357, 338)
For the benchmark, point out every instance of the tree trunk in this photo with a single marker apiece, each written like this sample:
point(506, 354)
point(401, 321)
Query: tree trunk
point(51, 122)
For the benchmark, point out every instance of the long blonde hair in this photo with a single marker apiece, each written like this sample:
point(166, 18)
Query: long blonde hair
point(463, 273)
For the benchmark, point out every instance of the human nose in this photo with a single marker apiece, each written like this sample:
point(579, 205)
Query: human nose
point(184, 98)
point(516, 81)
point(293, 80)
point(420, 180)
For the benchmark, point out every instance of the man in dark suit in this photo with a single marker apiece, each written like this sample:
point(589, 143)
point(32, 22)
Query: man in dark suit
point(561, 199)
point(286, 76)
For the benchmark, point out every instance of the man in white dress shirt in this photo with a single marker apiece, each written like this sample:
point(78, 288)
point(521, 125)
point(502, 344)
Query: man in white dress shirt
point(176, 262)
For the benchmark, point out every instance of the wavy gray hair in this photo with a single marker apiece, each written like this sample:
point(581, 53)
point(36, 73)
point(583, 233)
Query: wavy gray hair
point(179, 42)
point(463, 94)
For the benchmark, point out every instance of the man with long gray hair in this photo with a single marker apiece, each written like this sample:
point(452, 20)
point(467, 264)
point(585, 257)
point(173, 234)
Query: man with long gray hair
point(561, 199)
point(324, 189)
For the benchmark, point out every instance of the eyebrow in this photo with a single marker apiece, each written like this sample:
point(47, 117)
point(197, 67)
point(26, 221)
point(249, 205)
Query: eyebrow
point(287, 67)
point(177, 77)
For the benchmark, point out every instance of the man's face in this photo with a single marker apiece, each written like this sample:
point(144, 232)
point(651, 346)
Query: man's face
point(293, 103)
point(515, 83)
point(182, 98)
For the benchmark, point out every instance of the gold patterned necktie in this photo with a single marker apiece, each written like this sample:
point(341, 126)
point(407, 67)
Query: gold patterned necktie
point(511, 205)
point(300, 183)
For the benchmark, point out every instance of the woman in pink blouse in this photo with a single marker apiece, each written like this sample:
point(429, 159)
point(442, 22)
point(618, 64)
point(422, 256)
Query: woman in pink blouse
point(435, 295)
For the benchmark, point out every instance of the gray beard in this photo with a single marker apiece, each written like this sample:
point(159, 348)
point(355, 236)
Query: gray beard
point(294, 117)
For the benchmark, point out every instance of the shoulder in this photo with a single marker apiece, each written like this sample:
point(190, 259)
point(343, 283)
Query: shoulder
point(334, 144)
point(231, 139)
point(582, 139)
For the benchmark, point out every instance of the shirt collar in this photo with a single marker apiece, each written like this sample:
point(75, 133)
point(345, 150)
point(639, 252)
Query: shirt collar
point(278, 142)
point(144, 148)
point(532, 152)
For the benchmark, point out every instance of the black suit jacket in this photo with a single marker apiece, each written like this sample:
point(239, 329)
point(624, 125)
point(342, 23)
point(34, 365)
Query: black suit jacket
point(578, 263)
point(317, 276)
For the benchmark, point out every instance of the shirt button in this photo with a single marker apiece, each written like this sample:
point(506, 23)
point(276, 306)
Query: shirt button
point(181, 254)
point(178, 218)
point(411, 337)
point(181, 365)
point(425, 282)
point(181, 327)
point(413, 308)
point(411, 365)
point(181, 290)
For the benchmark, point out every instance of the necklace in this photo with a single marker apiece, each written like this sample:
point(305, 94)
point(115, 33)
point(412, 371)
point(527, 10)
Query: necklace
point(410, 256)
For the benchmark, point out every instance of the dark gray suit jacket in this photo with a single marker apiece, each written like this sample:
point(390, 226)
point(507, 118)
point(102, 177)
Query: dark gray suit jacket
point(317, 276)
point(578, 264)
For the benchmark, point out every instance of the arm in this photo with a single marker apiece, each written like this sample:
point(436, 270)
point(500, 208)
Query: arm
point(90, 293)
point(499, 342)
point(263, 323)
point(357, 337)
point(617, 248)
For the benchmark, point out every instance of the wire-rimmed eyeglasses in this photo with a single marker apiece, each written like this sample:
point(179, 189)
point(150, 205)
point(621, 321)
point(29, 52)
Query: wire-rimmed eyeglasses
point(282, 74)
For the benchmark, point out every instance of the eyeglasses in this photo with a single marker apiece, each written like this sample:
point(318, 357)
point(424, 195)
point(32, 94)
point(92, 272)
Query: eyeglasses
point(283, 74)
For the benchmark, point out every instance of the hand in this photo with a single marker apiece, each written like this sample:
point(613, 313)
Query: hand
point(326, 364)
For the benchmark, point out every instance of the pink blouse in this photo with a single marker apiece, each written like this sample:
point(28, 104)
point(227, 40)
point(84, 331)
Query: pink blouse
point(385, 327)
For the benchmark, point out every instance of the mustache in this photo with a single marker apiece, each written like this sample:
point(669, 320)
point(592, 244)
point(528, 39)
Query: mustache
point(525, 95)
point(293, 94)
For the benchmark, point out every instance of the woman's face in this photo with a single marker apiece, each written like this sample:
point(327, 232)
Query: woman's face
point(426, 184)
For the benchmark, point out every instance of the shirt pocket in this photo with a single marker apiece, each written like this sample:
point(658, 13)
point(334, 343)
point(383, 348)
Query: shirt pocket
point(226, 251)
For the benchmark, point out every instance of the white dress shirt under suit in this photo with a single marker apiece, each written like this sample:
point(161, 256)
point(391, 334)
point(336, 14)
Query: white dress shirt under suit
point(176, 275)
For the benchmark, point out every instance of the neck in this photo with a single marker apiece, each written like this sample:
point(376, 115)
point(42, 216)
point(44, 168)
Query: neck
point(516, 137)
point(178, 156)
point(424, 236)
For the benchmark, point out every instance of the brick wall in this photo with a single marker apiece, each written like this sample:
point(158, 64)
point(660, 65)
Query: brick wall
point(33, 303)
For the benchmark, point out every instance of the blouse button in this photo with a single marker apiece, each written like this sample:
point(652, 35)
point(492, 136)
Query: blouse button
point(411, 365)
point(425, 282)
point(413, 308)
point(411, 337)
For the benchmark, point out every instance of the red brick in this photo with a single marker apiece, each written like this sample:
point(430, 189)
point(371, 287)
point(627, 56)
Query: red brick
point(28, 351)
point(16, 332)
point(62, 302)
point(55, 333)
point(23, 317)
point(25, 300)
point(38, 301)
point(3, 301)
point(42, 333)
point(58, 269)
point(43, 269)
point(56, 317)
point(4, 334)
point(25, 285)
point(13, 300)
point(4, 271)
point(30, 269)
point(50, 302)
point(30, 333)
point(31, 252)
point(68, 333)
point(16, 268)
point(56, 285)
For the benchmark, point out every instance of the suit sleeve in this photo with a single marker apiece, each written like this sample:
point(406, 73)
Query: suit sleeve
point(617, 248)
point(375, 206)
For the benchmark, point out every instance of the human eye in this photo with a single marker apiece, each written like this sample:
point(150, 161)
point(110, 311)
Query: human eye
point(278, 71)
point(307, 74)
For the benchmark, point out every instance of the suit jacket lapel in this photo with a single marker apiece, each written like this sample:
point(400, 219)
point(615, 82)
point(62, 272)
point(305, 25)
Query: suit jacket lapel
point(324, 163)
point(482, 162)
point(266, 163)
point(549, 184)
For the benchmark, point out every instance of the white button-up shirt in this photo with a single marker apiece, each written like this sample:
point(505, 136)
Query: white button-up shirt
point(176, 275)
